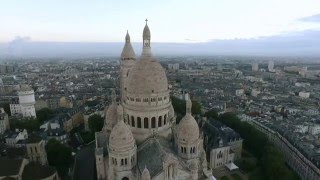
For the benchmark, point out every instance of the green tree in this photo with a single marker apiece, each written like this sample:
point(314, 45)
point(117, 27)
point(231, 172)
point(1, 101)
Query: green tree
point(59, 156)
point(95, 123)
point(44, 114)
point(30, 124)
point(6, 107)
point(211, 114)
point(179, 106)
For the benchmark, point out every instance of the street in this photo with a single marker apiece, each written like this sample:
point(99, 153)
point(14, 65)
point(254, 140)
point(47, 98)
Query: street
point(84, 168)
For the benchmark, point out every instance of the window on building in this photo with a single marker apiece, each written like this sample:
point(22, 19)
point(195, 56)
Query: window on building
point(160, 121)
point(133, 123)
point(122, 162)
point(146, 123)
point(139, 122)
point(181, 149)
point(153, 122)
point(125, 161)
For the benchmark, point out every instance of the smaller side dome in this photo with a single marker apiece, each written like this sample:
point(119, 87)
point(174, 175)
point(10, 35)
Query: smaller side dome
point(188, 130)
point(127, 51)
point(121, 137)
point(145, 174)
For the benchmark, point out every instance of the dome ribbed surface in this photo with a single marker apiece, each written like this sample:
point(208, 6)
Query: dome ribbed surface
point(147, 77)
point(121, 137)
point(188, 131)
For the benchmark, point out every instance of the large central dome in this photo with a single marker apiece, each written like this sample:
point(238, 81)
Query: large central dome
point(147, 77)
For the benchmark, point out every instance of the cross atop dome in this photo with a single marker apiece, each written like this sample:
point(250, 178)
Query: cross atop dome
point(146, 21)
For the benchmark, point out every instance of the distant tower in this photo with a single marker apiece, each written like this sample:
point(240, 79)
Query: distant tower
point(128, 58)
point(27, 101)
point(270, 66)
point(255, 67)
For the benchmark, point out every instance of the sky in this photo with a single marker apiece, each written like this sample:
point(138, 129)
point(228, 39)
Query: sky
point(181, 21)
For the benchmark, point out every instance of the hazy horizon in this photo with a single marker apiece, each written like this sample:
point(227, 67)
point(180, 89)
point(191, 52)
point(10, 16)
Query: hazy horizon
point(212, 27)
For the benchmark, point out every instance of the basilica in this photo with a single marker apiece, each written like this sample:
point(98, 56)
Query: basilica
point(141, 139)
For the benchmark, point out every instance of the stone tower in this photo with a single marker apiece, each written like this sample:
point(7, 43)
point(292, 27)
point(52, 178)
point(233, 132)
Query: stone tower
point(122, 150)
point(128, 58)
point(147, 103)
point(188, 136)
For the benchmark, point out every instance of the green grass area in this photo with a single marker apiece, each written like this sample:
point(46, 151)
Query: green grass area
point(256, 175)
point(87, 136)
point(236, 176)
point(224, 178)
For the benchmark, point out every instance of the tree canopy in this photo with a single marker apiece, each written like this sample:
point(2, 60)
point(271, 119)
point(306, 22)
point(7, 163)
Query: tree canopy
point(59, 156)
point(95, 123)
point(6, 107)
point(44, 114)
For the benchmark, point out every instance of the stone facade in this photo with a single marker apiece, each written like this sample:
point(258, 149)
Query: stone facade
point(141, 139)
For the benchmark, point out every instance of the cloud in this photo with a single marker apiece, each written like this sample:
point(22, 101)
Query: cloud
point(20, 39)
point(16, 43)
point(314, 18)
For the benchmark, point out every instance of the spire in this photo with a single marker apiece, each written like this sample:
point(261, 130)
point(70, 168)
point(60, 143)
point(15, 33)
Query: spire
point(146, 174)
point(146, 36)
point(127, 51)
point(188, 104)
point(127, 37)
point(120, 113)
point(113, 96)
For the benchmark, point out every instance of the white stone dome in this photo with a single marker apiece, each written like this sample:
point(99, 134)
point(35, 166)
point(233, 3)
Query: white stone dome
point(188, 130)
point(147, 77)
point(121, 137)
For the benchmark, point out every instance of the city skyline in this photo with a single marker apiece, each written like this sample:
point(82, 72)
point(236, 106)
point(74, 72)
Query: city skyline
point(172, 21)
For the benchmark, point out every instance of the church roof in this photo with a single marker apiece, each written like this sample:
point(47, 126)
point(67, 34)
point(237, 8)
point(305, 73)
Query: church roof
point(127, 51)
point(146, 32)
point(188, 129)
point(121, 137)
point(147, 77)
point(151, 155)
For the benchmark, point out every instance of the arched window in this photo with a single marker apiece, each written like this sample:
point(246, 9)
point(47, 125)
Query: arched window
point(125, 161)
point(146, 123)
point(181, 149)
point(191, 150)
point(125, 178)
point(153, 122)
point(139, 122)
point(194, 150)
point(133, 123)
point(122, 162)
point(165, 119)
point(160, 121)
